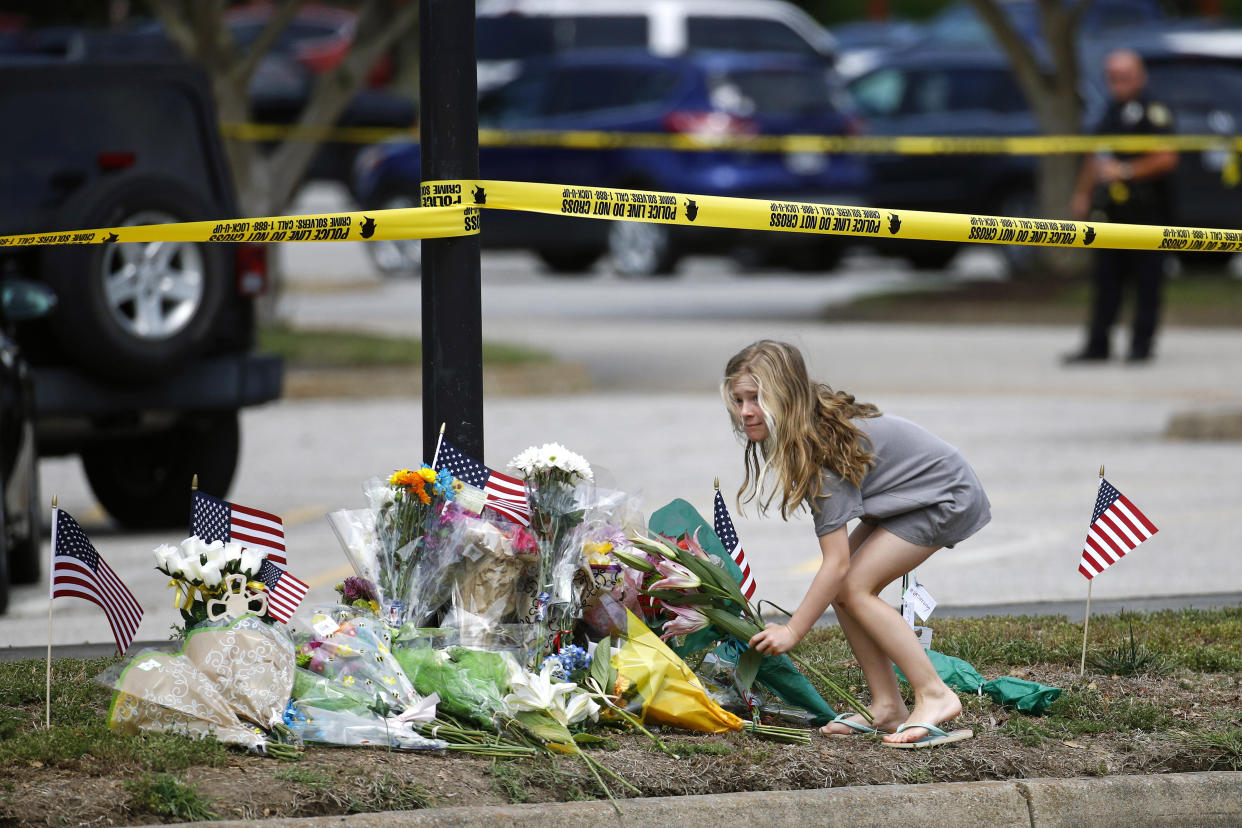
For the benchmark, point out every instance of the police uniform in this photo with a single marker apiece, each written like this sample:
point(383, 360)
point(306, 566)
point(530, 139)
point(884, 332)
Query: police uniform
point(1148, 201)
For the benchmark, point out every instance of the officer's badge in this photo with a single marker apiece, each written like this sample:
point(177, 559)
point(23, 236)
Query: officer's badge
point(1158, 114)
point(1118, 192)
point(1132, 113)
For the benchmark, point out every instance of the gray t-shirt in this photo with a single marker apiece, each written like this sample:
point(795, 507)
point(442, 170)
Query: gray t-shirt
point(914, 470)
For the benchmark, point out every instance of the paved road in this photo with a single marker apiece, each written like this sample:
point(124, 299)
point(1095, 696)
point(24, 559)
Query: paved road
point(1036, 433)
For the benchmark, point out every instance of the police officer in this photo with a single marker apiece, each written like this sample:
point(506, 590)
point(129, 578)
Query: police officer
point(1132, 188)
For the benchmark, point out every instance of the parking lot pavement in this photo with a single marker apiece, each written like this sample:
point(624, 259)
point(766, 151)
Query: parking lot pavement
point(1036, 434)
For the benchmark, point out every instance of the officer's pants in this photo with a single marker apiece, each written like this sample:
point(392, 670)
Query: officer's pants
point(1144, 270)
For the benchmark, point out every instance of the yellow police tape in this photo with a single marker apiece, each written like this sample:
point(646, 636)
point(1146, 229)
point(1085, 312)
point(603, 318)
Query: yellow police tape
point(451, 208)
point(375, 225)
point(801, 217)
point(701, 142)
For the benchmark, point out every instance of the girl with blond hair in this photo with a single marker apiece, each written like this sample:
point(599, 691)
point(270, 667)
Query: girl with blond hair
point(807, 444)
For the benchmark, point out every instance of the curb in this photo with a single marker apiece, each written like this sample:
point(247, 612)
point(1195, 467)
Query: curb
point(1191, 799)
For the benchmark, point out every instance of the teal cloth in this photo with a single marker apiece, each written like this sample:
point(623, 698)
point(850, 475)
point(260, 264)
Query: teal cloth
point(1008, 691)
point(778, 674)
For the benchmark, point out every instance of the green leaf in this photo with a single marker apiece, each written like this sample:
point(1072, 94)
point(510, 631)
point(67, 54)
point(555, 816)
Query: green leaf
point(589, 739)
point(739, 628)
point(633, 562)
point(601, 665)
point(748, 667)
point(679, 599)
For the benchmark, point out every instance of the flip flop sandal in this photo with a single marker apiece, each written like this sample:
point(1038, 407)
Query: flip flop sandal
point(857, 727)
point(935, 737)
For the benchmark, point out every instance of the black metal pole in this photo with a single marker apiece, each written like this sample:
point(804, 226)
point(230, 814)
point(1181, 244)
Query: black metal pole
point(452, 312)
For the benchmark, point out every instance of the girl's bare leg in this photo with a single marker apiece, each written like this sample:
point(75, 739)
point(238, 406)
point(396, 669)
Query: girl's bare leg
point(887, 708)
point(880, 561)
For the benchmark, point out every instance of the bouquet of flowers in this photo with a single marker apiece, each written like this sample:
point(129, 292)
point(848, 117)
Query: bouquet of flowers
point(251, 665)
point(696, 592)
point(198, 570)
point(386, 542)
point(553, 476)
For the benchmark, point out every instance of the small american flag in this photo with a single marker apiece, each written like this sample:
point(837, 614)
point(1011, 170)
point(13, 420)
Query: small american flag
point(78, 571)
point(284, 592)
point(728, 536)
point(504, 494)
point(1117, 526)
point(214, 519)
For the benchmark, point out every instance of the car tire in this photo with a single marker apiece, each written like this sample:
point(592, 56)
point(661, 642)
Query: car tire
point(640, 249)
point(135, 312)
point(397, 258)
point(144, 482)
point(25, 555)
point(569, 261)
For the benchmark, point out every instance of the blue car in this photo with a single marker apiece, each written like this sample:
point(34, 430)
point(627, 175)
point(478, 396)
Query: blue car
point(704, 94)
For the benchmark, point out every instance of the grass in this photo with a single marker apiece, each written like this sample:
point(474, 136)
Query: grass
point(348, 349)
point(166, 796)
point(386, 792)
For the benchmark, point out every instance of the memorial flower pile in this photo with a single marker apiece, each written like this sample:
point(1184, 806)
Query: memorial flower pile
point(462, 628)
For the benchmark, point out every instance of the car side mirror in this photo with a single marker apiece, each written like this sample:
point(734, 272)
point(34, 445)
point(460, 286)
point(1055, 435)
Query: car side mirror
point(22, 300)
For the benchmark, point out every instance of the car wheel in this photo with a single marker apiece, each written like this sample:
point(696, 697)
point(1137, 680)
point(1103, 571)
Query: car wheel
point(397, 257)
point(641, 249)
point(569, 261)
point(144, 482)
point(24, 556)
point(137, 311)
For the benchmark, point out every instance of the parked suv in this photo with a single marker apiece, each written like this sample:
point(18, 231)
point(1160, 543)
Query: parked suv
point(708, 95)
point(147, 358)
point(509, 31)
point(963, 92)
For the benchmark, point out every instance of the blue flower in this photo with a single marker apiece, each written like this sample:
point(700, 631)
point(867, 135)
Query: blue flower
point(444, 484)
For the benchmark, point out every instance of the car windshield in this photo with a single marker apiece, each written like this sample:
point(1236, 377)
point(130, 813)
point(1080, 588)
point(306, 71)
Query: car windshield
point(960, 23)
point(773, 92)
point(516, 37)
point(572, 90)
point(744, 34)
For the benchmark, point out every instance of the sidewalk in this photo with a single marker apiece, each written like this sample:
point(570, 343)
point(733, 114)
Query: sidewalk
point(1194, 799)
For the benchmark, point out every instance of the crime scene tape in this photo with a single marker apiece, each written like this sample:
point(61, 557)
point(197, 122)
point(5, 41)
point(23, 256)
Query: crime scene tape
point(707, 142)
point(452, 208)
point(801, 217)
point(374, 225)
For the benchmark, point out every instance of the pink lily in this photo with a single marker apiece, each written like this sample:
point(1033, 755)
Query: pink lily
point(685, 621)
point(694, 548)
point(676, 576)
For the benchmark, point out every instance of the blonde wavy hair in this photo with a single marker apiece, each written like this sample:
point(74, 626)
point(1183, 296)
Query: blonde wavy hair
point(809, 428)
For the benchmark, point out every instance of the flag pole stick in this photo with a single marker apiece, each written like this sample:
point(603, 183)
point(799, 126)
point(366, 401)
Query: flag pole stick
point(47, 716)
point(439, 442)
point(1086, 618)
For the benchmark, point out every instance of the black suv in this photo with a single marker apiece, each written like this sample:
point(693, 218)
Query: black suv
point(147, 358)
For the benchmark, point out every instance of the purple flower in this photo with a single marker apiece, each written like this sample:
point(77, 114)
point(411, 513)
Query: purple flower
point(357, 589)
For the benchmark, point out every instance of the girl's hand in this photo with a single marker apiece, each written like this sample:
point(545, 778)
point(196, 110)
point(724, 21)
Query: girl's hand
point(777, 639)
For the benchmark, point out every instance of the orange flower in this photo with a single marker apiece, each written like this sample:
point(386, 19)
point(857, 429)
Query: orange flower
point(404, 478)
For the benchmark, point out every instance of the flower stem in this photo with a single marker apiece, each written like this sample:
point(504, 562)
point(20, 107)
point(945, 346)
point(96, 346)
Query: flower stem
point(841, 693)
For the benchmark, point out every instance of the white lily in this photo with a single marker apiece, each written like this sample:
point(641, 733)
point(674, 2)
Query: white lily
point(537, 691)
point(579, 707)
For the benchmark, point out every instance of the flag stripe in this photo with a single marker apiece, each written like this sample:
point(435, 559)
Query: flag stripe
point(1142, 518)
point(1102, 534)
point(1101, 551)
point(258, 528)
point(246, 538)
point(1135, 519)
point(258, 515)
point(1086, 574)
point(1115, 521)
point(1134, 533)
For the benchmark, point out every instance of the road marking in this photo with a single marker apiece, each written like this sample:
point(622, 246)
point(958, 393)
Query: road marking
point(305, 514)
point(332, 576)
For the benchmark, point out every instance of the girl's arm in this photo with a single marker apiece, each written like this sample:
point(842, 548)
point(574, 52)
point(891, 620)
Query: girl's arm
point(781, 638)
